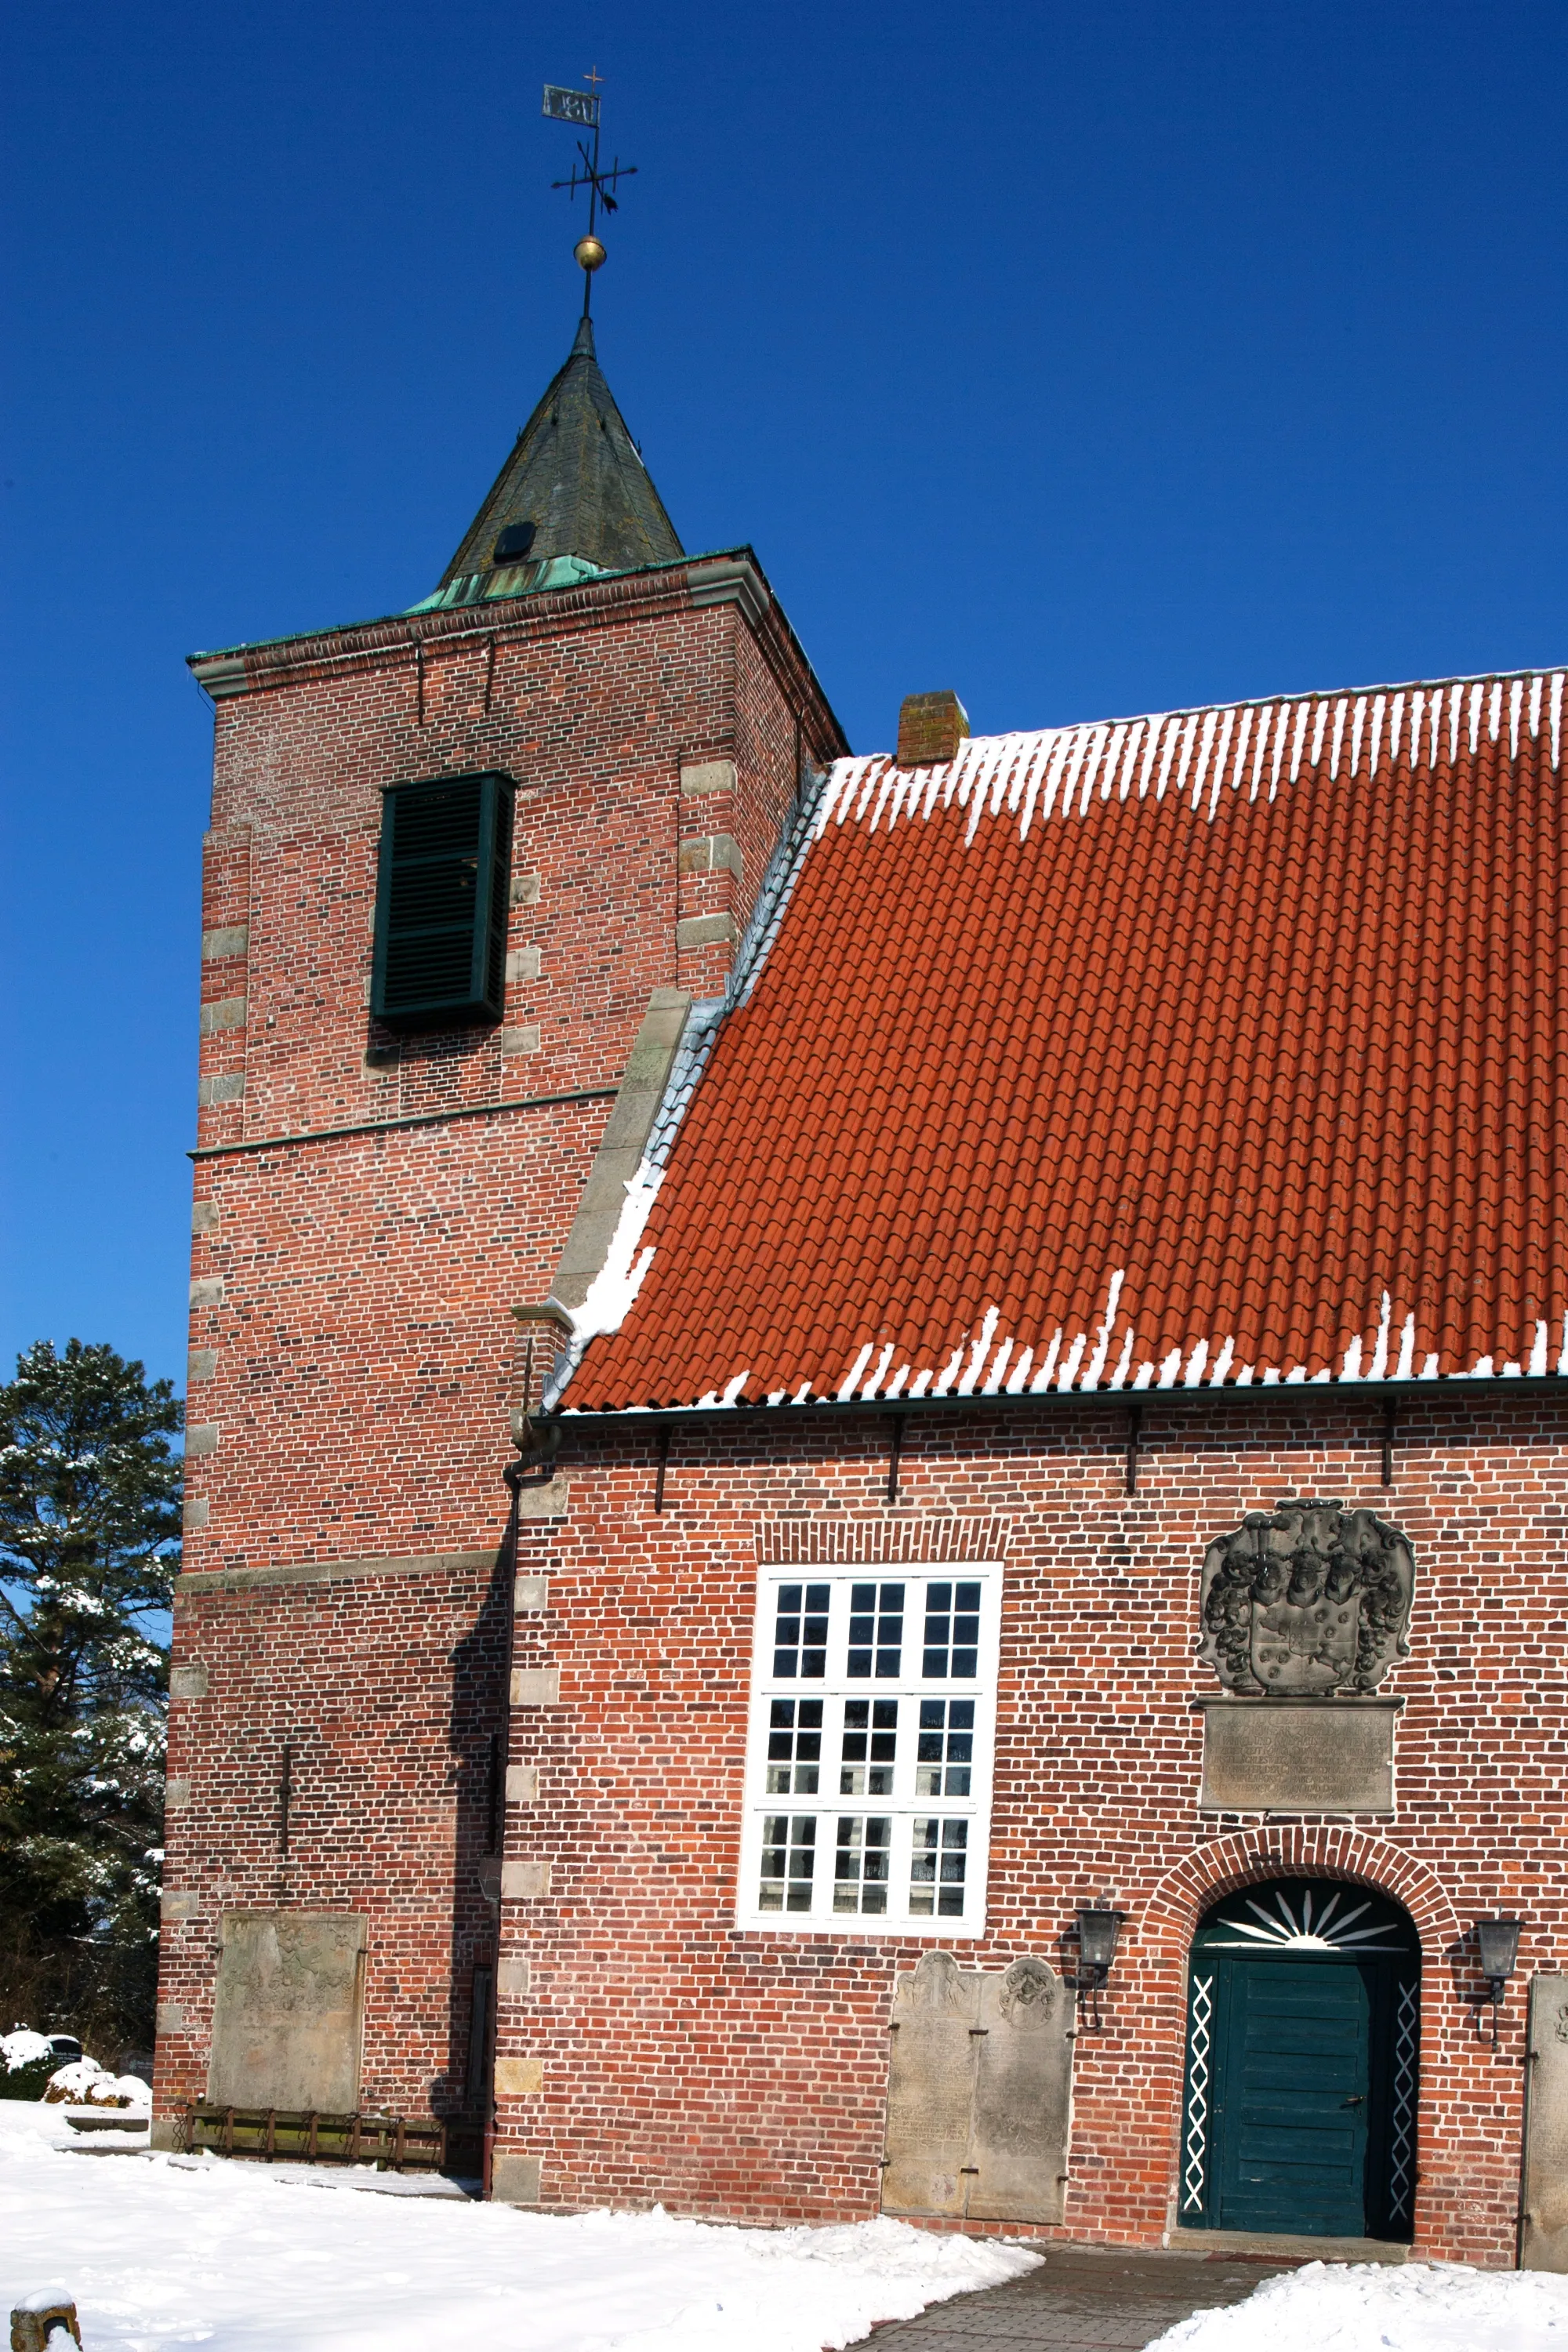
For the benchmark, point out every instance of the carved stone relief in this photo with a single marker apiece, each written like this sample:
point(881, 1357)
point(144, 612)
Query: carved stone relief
point(1310, 1601)
point(979, 2092)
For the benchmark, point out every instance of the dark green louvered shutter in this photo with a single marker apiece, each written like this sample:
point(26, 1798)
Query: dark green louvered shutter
point(441, 902)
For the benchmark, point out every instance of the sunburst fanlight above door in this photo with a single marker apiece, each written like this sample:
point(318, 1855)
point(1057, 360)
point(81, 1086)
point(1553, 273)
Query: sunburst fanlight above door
point(1303, 1918)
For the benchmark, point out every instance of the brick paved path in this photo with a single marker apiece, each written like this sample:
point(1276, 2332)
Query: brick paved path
point(1081, 2299)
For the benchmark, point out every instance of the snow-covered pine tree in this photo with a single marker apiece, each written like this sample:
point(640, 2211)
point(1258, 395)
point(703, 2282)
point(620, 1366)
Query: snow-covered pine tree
point(90, 1525)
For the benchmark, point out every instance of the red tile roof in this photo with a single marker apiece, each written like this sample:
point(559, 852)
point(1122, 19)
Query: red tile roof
point(1224, 1047)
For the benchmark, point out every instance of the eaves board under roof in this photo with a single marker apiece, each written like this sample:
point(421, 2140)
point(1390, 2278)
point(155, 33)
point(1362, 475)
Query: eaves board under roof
point(1219, 1047)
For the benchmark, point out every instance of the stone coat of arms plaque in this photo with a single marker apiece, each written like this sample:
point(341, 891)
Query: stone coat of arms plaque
point(1310, 1601)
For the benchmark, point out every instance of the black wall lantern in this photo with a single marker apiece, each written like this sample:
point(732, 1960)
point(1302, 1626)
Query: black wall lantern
point(1497, 1942)
point(1098, 1932)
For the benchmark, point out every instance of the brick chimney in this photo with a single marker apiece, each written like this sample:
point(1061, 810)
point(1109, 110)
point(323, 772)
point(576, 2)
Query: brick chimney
point(931, 729)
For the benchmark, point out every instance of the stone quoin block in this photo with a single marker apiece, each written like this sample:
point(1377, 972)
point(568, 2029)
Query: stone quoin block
point(515, 2179)
point(513, 1978)
point(223, 1013)
point(227, 1088)
point(703, 776)
point(522, 1784)
point(712, 853)
point(525, 1882)
point(531, 1593)
point(201, 1437)
point(228, 939)
point(547, 1501)
point(536, 1686)
point(705, 930)
point(188, 1682)
point(201, 1364)
point(519, 2078)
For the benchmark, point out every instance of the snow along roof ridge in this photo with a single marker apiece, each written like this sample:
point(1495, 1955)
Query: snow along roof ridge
point(1060, 771)
point(1240, 702)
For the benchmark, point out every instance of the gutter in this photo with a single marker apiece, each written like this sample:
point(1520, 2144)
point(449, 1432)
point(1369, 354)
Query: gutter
point(1387, 1393)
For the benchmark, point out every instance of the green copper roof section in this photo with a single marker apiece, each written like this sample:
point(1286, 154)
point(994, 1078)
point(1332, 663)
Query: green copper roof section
point(574, 479)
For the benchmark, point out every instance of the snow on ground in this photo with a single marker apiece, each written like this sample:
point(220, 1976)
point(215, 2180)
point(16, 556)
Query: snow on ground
point(1375, 2307)
point(163, 2251)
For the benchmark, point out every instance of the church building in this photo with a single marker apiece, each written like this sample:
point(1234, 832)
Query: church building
point(876, 1475)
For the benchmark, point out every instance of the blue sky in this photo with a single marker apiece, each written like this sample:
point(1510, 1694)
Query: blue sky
point(1089, 360)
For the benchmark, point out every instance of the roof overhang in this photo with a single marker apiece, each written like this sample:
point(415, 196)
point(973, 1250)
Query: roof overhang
point(1377, 1394)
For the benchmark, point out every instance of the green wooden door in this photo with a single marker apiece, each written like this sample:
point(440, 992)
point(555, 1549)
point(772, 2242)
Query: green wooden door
point(1295, 2072)
point(1300, 2112)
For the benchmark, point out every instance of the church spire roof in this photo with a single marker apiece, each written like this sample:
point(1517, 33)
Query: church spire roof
point(573, 499)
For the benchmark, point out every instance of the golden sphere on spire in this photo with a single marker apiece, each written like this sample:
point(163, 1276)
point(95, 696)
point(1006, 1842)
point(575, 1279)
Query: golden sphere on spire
point(589, 252)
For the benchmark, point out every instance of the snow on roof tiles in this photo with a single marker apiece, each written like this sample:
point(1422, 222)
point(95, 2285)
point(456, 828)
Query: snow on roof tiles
point(1216, 1047)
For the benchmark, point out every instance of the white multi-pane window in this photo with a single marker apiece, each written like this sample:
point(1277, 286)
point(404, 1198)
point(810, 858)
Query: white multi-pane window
point(868, 1778)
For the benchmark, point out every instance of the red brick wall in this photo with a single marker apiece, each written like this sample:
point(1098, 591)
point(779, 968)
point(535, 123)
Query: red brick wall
point(744, 2073)
point(352, 1349)
point(386, 1690)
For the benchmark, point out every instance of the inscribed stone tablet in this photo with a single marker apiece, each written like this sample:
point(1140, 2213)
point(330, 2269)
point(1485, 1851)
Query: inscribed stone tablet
point(1299, 1756)
point(1023, 2097)
point(285, 2020)
point(930, 2088)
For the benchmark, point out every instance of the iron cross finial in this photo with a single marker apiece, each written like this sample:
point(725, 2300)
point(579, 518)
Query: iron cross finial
point(581, 107)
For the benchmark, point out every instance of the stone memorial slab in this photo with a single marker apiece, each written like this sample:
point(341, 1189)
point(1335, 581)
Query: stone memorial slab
point(287, 2015)
point(930, 2087)
point(979, 2092)
point(1543, 2243)
point(1299, 1756)
point(1023, 2097)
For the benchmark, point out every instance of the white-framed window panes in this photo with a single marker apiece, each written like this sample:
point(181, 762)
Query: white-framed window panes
point(869, 1766)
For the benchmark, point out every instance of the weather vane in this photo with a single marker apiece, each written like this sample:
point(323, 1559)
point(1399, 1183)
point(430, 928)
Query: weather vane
point(581, 107)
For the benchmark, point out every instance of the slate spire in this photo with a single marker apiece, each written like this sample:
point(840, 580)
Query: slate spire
point(573, 498)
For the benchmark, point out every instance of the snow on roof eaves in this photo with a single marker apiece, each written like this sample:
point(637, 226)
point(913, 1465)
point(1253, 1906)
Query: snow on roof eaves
point(982, 1366)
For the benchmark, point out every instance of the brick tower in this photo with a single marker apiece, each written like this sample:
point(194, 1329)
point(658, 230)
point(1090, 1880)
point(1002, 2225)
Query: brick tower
point(468, 866)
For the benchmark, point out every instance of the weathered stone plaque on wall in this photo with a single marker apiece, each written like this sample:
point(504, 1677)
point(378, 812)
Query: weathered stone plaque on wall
point(1299, 1756)
point(287, 2015)
point(1544, 2242)
point(979, 2092)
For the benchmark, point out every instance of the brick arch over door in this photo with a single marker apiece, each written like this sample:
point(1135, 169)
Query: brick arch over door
point(1165, 1923)
point(1164, 1927)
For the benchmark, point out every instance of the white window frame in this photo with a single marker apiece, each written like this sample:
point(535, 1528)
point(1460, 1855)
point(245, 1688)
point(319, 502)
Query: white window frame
point(904, 1806)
